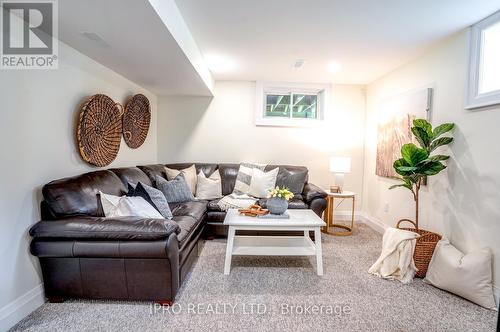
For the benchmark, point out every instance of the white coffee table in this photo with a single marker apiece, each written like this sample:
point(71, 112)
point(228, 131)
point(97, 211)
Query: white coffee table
point(300, 220)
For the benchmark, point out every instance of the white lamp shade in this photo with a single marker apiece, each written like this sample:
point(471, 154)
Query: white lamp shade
point(340, 164)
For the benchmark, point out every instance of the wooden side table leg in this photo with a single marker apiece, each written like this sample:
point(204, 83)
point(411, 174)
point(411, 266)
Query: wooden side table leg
point(332, 211)
point(352, 220)
point(327, 216)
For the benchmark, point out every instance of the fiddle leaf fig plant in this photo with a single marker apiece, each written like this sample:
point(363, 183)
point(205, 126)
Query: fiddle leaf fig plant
point(417, 163)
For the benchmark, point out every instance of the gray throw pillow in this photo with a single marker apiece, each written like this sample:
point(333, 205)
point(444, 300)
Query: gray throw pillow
point(294, 181)
point(176, 190)
point(153, 196)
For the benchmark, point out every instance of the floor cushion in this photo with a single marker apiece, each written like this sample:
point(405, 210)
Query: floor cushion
point(467, 275)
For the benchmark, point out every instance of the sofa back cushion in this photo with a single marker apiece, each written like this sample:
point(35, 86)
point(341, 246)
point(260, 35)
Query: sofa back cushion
point(229, 172)
point(289, 168)
point(292, 177)
point(78, 195)
point(207, 168)
point(132, 175)
point(152, 171)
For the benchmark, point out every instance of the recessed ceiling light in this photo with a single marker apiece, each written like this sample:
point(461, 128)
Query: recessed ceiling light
point(334, 67)
point(95, 38)
point(219, 63)
point(298, 63)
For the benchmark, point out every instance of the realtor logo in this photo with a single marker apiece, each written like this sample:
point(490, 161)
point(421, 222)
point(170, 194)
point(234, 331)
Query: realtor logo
point(29, 32)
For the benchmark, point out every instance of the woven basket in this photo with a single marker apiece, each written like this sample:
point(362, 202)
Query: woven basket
point(99, 130)
point(136, 120)
point(424, 249)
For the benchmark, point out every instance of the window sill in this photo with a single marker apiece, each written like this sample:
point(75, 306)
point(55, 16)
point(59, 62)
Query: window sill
point(305, 123)
point(491, 99)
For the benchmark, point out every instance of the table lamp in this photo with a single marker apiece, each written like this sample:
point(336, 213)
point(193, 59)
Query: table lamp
point(339, 166)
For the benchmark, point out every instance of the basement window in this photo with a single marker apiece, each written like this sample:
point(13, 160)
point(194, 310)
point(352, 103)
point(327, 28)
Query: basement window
point(290, 104)
point(484, 66)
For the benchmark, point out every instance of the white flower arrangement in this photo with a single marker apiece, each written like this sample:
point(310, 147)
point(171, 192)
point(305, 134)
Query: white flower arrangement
point(280, 193)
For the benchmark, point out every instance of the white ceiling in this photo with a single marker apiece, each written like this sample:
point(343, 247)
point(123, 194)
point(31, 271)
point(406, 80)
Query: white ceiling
point(369, 38)
point(136, 42)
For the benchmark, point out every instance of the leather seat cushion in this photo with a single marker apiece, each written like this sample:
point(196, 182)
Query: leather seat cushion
point(195, 209)
point(98, 228)
point(212, 205)
point(93, 248)
point(216, 216)
point(188, 227)
point(189, 216)
point(294, 203)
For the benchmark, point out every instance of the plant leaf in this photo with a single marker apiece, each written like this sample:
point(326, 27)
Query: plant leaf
point(407, 168)
point(406, 183)
point(401, 163)
point(424, 124)
point(399, 185)
point(412, 154)
point(432, 168)
point(441, 129)
point(439, 157)
point(421, 136)
point(440, 142)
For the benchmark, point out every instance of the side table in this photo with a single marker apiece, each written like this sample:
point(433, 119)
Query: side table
point(330, 211)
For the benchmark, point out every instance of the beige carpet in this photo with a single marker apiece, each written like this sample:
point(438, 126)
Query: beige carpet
point(280, 294)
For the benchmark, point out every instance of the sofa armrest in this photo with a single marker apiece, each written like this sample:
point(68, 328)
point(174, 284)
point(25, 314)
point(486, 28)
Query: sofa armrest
point(125, 228)
point(311, 192)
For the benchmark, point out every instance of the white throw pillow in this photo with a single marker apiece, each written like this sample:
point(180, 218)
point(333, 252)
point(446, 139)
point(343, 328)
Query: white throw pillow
point(115, 206)
point(189, 176)
point(262, 182)
point(467, 275)
point(209, 188)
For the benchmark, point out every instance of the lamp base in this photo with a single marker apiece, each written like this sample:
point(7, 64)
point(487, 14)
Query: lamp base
point(339, 182)
point(335, 189)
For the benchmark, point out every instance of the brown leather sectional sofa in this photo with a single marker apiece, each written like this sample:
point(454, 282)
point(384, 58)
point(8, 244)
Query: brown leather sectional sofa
point(84, 255)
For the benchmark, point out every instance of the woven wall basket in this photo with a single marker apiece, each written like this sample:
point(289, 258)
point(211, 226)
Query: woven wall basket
point(136, 120)
point(99, 130)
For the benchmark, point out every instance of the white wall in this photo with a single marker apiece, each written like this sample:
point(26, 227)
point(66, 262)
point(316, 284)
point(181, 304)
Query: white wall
point(222, 129)
point(37, 138)
point(463, 201)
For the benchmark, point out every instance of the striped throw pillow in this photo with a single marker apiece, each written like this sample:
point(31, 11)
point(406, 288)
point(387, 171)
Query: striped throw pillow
point(244, 177)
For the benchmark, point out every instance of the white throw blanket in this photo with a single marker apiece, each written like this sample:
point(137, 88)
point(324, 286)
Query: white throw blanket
point(235, 201)
point(396, 260)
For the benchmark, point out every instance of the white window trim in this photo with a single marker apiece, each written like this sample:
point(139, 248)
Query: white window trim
point(474, 99)
point(279, 87)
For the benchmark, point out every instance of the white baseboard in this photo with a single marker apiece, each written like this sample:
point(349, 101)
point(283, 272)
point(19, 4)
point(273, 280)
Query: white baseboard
point(372, 222)
point(15, 311)
point(364, 218)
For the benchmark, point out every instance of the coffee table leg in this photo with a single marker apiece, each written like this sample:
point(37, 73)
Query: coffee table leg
point(229, 250)
point(319, 251)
